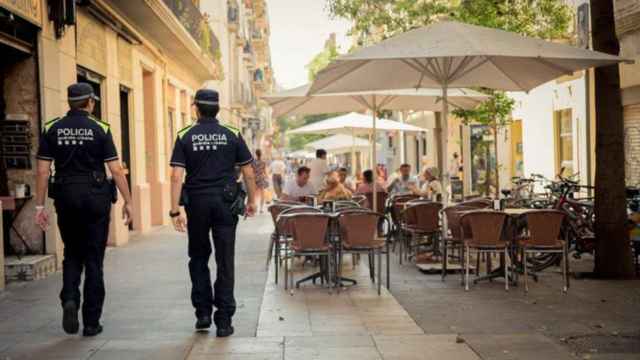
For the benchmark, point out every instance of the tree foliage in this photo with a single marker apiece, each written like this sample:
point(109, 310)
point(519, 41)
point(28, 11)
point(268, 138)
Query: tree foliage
point(379, 19)
point(321, 60)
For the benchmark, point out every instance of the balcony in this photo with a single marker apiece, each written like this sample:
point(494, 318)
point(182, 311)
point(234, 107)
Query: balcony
point(233, 16)
point(197, 24)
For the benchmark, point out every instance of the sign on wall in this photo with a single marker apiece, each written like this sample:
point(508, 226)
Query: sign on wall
point(30, 10)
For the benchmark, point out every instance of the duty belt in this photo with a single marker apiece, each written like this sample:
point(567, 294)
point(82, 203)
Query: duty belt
point(75, 179)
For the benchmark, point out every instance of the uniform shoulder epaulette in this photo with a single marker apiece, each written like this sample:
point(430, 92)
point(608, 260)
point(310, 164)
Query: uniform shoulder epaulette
point(105, 126)
point(184, 130)
point(233, 129)
point(50, 123)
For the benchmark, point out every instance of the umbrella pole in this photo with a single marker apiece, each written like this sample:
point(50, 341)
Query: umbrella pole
point(443, 155)
point(353, 153)
point(374, 164)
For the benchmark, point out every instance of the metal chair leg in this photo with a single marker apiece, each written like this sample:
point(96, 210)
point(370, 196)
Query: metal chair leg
point(286, 273)
point(466, 270)
point(526, 275)
point(379, 270)
point(565, 269)
point(444, 260)
point(388, 266)
point(507, 265)
point(462, 262)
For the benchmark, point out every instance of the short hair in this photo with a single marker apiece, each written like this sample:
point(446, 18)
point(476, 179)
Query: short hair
point(258, 153)
point(303, 170)
point(368, 176)
point(320, 153)
point(79, 104)
point(208, 110)
point(342, 169)
point(405, 165)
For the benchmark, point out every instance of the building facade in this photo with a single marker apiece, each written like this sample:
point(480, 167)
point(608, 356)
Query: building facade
point(145, 59)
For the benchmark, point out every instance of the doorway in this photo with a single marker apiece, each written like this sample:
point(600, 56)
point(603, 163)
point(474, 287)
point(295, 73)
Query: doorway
point(95, 80)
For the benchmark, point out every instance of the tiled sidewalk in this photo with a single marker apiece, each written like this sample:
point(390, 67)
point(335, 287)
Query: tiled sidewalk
point(315, 323)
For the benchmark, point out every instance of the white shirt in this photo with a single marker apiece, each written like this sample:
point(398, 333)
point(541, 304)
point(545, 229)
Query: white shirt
point(278, 167)
point(432, 189)
point(454, 167)
point(319, 169)
point(292, 189)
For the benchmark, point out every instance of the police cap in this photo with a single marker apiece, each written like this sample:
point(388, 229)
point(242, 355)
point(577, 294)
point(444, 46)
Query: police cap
point(80, 91)
point(206, 97)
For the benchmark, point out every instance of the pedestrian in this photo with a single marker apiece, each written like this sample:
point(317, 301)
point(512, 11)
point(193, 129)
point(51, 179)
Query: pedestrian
point(454, 167)
point(260, 171)
point(278, 169)
point(300, 186)
point(319, 169)
point(79, 145)
point(209, 152)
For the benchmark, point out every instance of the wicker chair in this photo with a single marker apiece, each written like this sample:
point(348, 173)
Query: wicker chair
point(396, 205)
point(381, 201)
point(486, 228)
point(360, 199)
point(358, 232)
point(478, 203)
point(544, 235)
point(420, 220)
point(309, 237)
point(281, 237)
point(454, 234)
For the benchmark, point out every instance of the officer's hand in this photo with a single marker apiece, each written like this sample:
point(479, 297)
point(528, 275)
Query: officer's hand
point(180, 223)
point(127, 214)
point(250, 210)
point(42, 219)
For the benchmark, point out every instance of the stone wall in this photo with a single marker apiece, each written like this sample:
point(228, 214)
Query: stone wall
point(21, 96)
point(632, 144)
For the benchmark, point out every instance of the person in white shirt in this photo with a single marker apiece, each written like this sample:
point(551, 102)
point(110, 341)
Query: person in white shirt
point(404, 183)
point(278, 169)
point(344, 179)
point(319, 169)
point(298, 187)
point(454, 166)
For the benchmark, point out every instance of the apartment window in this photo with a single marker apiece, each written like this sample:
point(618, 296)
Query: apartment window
point(563, 126)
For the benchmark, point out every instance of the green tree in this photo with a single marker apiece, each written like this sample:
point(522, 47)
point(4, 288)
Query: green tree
point(495, 113)
point(321, 60)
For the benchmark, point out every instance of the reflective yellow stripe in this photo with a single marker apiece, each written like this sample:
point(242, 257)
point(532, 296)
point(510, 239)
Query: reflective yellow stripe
point(234, 130)
point(50, 123)
point(102, 124)
point(184, 130)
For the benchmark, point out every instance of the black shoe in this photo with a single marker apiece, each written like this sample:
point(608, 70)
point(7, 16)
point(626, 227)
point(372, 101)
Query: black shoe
point(92, 330)
point(224, 331)
point(70, 322)
point(203, 323)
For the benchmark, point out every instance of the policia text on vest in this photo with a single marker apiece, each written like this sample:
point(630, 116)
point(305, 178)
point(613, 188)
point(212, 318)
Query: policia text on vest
point(79, 145)
point(209, 152)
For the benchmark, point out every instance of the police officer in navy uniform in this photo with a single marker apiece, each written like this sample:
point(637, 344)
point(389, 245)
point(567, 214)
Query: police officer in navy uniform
point(79, 145)
point(209, 151)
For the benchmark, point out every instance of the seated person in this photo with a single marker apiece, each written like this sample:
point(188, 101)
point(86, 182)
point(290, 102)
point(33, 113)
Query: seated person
point(334, 190)
point(403, 184)
point(294, 189)
point(345, 181)
point(367, 184)
point(432, 188)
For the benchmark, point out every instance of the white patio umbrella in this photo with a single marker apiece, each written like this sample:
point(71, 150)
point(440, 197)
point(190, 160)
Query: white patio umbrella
point(452, 54)
point(298, 101)
point(340, 143)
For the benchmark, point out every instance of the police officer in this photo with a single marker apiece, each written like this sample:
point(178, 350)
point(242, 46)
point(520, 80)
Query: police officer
point(209, 152)
point(79, 145)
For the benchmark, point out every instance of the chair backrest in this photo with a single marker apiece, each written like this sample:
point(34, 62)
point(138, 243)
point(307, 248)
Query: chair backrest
point(308, 230)
point(453, 215)
point(360, 199)
point(423, 216)
point(282, 224)
point(276, 209)
point(480, 203)
point(358, 228)
point(544, 226)
point(346, 204)
point(397, 204)
point(308, 200)
point(486, 227)
point(381, 201)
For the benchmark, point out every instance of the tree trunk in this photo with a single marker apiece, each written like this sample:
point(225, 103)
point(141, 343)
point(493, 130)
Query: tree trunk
point(613, 250)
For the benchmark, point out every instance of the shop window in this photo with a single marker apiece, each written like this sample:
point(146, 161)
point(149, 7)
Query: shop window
point(563, 127)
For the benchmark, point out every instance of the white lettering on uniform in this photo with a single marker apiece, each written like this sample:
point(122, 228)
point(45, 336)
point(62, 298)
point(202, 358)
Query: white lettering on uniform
point(71, 136)
point(208, 142)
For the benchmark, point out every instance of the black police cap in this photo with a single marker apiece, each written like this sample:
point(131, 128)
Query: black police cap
point(80, 91)
point(206, 97)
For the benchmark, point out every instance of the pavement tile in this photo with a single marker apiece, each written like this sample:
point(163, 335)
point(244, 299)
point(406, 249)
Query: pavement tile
point(423, 347)
point(517, 346)
point(237, 345)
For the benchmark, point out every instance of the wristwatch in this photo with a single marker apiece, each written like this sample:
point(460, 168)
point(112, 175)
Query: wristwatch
point(174, 214)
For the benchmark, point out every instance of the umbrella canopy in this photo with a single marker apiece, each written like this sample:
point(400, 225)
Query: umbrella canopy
point(340, 143)
point(456, 55)
point(297, 101)
point(452, 54)
point(301, 154)
point(354, 124)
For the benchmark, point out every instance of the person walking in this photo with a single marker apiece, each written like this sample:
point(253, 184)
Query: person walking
point(260, 171)
point(79, 145)
point(209, 152)
point(278, 169)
